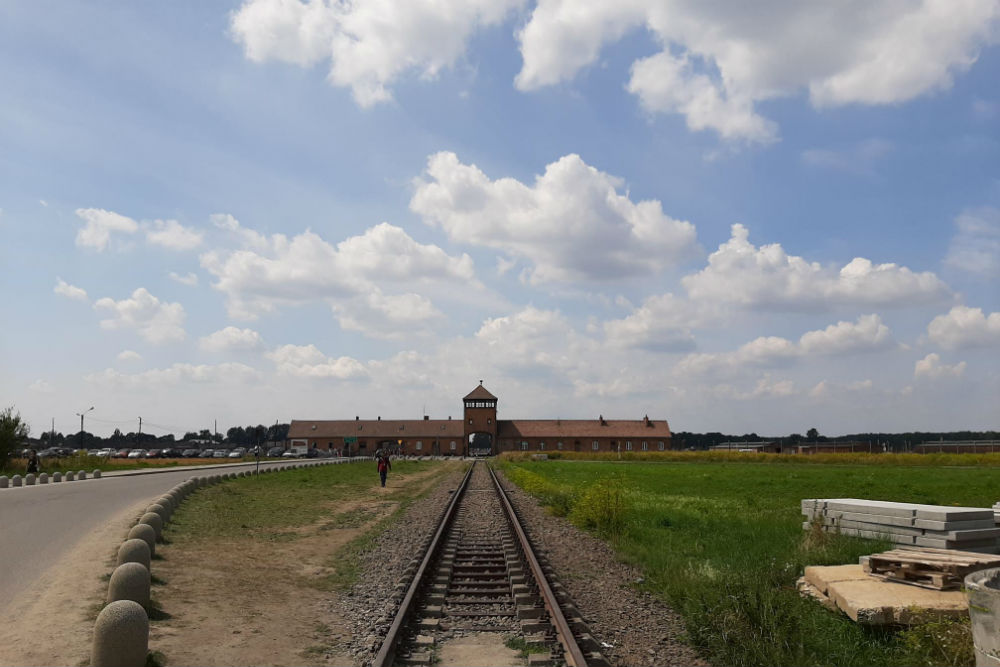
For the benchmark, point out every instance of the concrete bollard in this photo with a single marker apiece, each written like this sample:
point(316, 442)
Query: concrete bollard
point(43, 478)
point(57, 477)
point(97, 473)
point(163, 512)
point(15, 480)
point(82, 474)
point(121, 636)
point(135, 550)
point(130, 581)
point(154, 521)
point(69, 475)
point(29, 479)
point(146, 533)
point(4, 482)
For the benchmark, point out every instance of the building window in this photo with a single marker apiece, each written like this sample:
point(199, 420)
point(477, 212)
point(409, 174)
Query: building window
point(420, 445)
point(452, 445)
point(659, 445)
point(524, 446)
point(541, 446)
point(628, 445)
point(645, 446)
point(559, 445)
point(594, 445)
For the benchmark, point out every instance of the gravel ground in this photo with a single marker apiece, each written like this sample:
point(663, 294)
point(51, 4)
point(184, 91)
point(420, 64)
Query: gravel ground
point(369, 602)
point(640, 629)
point(637, 628)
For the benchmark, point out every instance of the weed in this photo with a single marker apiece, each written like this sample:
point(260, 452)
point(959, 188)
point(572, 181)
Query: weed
point(524, 647)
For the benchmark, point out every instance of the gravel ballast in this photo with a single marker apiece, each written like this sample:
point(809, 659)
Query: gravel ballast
point(634, 627)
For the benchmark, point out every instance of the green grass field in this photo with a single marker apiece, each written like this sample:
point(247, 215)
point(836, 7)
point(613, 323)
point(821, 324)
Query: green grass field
point(723, 543)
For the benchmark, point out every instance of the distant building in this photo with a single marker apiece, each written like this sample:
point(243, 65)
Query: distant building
point(480, 433)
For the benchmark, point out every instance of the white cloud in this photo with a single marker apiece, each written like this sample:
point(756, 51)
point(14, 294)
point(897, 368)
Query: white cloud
point(156, 321)
point(976, 245)
point(69, 291)
point(231, 338)
point(177, 374)
point(964, 327)
point(41, 386)
point(100, 225)
point(767, 277)
point(368, 43)
point(718, 61)
point(354, 277)
point(571, 224)
point(172, 235)
point(868, 334)
point(308, 362)
point(129, 355)
point(248, 237)
point(931, 368)
point(390, 317)
point(191, 279)
point(663, 322)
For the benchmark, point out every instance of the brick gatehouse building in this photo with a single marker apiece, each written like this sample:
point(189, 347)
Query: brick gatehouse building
point(480, 433)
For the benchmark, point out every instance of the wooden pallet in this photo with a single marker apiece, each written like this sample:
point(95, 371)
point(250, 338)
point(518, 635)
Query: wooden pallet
point(937, 569)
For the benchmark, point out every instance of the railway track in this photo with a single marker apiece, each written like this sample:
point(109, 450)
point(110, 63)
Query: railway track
point(478, 587)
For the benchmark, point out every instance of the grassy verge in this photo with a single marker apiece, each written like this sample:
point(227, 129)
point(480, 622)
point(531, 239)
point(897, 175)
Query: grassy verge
point(723, 544)
point(855, 458)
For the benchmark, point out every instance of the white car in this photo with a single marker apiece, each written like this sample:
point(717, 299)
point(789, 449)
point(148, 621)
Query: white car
point(237, 453)
point(105, 453)
point(137, 454)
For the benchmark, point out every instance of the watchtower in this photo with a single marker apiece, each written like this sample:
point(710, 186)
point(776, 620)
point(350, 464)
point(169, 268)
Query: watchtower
point(480, 419)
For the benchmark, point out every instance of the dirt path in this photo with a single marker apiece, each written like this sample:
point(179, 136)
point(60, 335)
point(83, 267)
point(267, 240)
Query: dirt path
point(248, 602)
point(54, 624)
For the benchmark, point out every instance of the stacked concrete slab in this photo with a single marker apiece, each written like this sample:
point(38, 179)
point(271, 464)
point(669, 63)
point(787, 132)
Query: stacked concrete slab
point(908, 524)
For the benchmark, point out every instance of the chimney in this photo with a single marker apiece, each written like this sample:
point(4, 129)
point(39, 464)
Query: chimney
point(449, 417)
point(380, 417)
point(600, 418)
point(427, 417)
point(356, 417)
point(646, 421)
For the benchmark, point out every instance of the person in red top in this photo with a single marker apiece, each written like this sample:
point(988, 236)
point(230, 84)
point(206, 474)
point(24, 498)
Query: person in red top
point(384, 466)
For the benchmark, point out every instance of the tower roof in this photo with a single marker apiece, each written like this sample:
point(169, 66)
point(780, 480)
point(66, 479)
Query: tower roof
point(479, 392)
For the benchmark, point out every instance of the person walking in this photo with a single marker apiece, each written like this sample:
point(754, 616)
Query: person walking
point(384, 466)
point(33, 462)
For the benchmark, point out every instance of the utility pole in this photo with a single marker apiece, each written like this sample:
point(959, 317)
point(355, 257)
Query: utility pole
point(138, 438)
point(52, 434)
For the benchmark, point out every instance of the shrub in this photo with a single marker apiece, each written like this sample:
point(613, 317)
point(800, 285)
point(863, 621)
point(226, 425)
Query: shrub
point(603, 506)
point(13, 432)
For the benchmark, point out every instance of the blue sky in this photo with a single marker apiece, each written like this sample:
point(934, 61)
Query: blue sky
point(275, 209)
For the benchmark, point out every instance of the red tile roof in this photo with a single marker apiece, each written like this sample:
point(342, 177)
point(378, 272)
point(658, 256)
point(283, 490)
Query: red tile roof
point(479, 393)
point(384, 429)
point(583, 428)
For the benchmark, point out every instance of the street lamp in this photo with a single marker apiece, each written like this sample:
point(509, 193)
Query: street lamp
point(80, 415)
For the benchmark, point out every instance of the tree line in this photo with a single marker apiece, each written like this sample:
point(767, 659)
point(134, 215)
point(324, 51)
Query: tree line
point(896, 442)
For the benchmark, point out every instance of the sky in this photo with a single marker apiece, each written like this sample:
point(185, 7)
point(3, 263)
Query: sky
point(762, 217)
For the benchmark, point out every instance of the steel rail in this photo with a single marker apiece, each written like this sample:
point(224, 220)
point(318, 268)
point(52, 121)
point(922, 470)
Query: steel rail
point(387, 652)
point(574, 656)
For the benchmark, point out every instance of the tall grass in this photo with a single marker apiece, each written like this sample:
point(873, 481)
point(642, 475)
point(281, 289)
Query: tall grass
point(847, 458)
point(724, 544)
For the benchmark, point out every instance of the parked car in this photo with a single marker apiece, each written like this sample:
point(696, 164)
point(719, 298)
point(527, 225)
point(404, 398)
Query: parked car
point(50, 453)
point(121, 454)
point(137, 454)
point(207, 453)
point(170, 453)
point(190, 453)
point(276, 451)
point(153, 453)
point(105, 453)
point(220, 454)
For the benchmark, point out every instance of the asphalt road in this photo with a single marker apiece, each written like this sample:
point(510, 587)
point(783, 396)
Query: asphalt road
point(41, 523)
